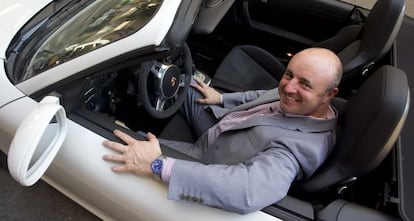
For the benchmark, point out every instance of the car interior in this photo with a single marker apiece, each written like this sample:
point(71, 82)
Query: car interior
point(359, 179)
point(359, 47)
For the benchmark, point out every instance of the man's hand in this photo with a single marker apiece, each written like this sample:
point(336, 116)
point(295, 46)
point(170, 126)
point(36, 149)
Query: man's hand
point(211, 96)
point(135, 156)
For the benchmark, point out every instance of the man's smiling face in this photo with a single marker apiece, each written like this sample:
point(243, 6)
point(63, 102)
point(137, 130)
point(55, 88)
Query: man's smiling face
point(305, 86)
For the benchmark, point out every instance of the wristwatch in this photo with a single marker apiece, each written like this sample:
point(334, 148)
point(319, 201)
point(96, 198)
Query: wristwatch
point(156, 167)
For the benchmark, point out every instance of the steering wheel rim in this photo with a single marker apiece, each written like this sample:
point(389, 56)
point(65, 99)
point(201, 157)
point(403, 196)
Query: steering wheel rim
point(171, 85)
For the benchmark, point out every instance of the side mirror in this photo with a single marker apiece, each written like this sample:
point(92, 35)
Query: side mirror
point(29, 139)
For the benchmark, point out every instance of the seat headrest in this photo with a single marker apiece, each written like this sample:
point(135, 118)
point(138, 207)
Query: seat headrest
point(378, 39)
point(375, 39)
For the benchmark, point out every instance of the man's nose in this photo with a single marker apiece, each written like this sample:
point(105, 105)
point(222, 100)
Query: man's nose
point(291, 86)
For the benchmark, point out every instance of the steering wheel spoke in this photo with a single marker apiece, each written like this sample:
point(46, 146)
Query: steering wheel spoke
point(155, 70)
point(160, 103)
point(182, 81)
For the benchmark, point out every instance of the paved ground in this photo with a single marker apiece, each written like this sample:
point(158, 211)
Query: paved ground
point(41, 202)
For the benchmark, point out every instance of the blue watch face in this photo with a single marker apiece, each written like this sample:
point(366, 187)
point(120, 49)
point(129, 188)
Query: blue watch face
point(156, 166)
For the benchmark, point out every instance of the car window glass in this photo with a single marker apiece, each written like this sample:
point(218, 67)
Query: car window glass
point(98, 24)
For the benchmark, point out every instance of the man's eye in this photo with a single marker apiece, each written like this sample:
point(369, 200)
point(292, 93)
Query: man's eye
point(288, 75)
point(307, 85)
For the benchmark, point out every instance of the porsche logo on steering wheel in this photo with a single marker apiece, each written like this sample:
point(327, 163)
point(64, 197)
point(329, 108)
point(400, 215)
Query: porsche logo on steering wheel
point(173, 81)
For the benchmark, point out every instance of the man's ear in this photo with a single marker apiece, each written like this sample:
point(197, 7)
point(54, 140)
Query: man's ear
point(332, 93)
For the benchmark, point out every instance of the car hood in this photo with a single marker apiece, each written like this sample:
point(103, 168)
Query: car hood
point(13, 15)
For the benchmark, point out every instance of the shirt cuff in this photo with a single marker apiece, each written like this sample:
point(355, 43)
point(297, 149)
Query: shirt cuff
point(167, 169)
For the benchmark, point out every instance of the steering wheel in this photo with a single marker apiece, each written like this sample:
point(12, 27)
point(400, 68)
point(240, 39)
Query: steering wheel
point(163, 86)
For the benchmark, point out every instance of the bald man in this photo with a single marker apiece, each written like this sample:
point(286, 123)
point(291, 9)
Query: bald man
point(252, 145)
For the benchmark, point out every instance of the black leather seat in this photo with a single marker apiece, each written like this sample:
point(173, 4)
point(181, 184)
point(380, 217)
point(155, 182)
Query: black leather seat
point(369, 125)
point(359, 47)
point(248, 67)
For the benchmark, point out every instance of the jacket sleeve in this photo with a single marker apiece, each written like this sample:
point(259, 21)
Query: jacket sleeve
point(243, 188)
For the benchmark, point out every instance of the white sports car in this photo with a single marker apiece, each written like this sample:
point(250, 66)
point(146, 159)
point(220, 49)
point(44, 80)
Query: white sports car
point(73, 71)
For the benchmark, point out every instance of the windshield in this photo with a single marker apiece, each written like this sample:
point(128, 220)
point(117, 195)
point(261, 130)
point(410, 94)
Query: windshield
point(98, 24)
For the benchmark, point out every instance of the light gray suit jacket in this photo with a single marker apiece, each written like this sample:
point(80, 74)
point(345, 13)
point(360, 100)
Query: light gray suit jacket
point(252, 165)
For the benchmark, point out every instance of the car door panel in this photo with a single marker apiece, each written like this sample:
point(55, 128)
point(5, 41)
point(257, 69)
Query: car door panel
point(10, 122)
point(79, 172)
point(281, 27)
point(296, 23)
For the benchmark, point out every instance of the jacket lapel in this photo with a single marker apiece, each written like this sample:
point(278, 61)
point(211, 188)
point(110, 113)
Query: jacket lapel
point(269, 96)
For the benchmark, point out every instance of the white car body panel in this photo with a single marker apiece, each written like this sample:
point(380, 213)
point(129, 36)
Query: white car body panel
point(13, 15)
point(78, 170)
point(7, 90)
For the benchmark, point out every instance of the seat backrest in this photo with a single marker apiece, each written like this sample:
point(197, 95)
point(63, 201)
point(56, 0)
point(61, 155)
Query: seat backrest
point(369, 126)
point(359, 47)
point(235, 72)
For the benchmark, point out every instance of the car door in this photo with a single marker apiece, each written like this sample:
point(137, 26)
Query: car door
point(77, 170)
